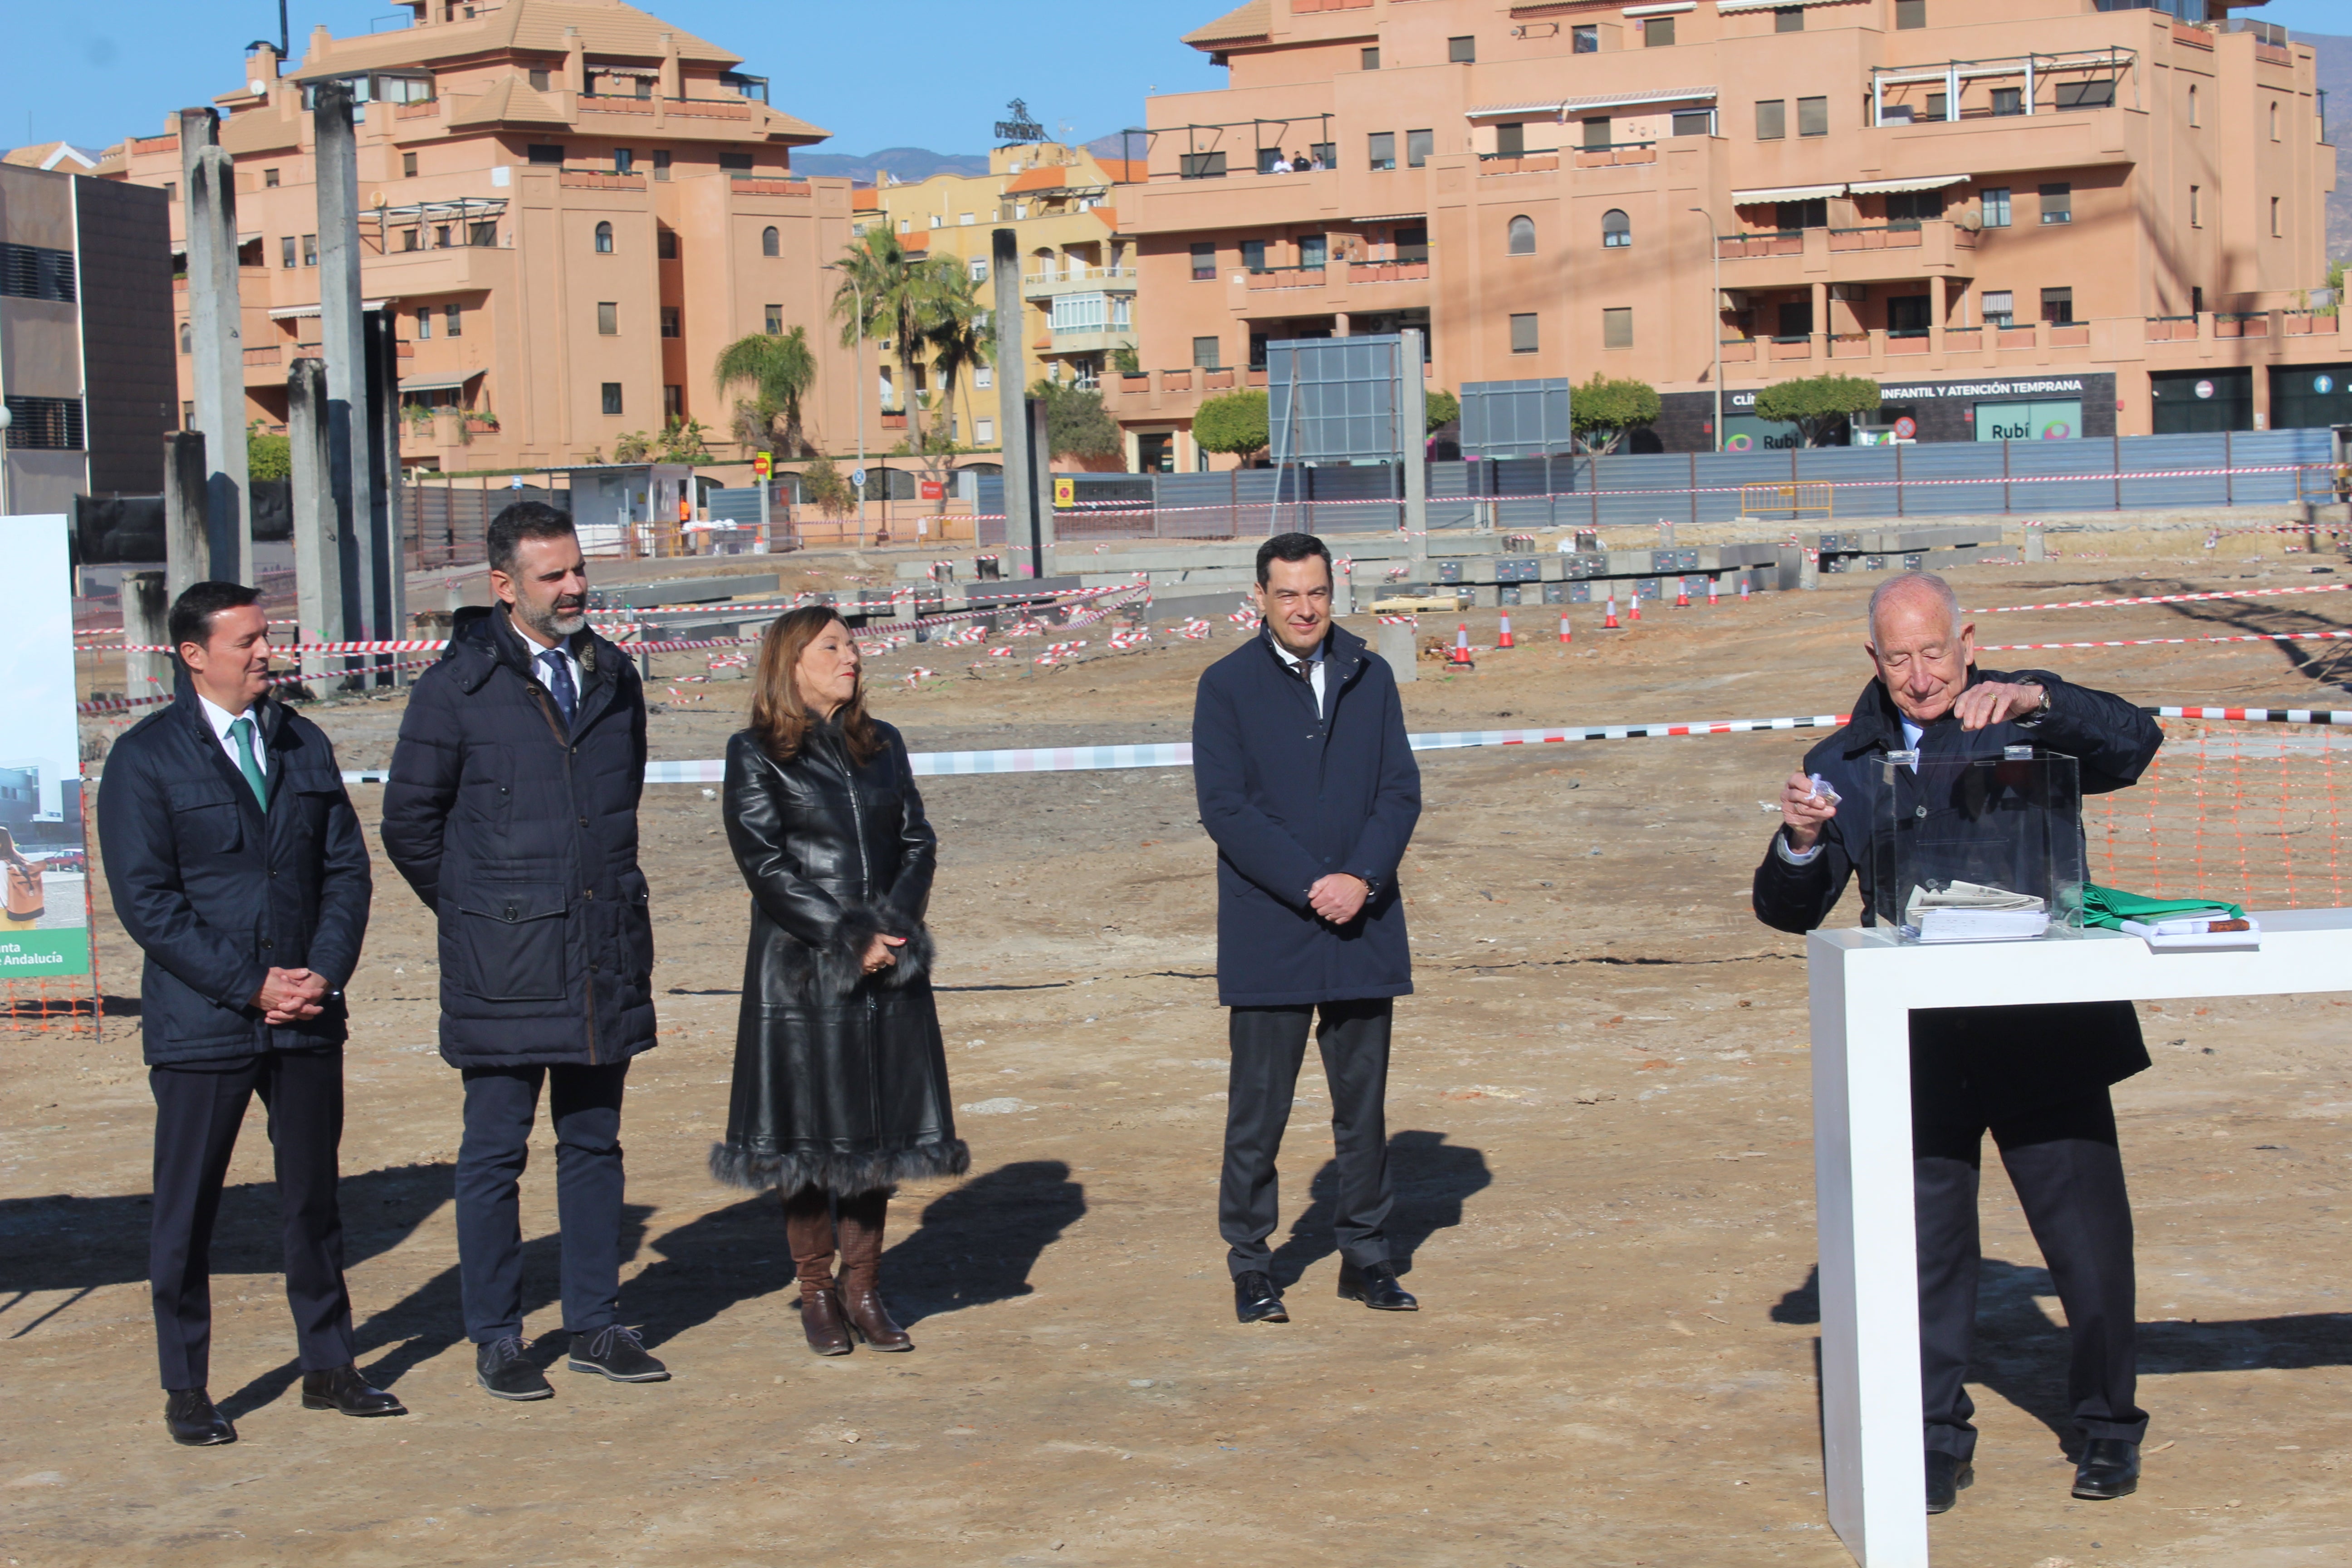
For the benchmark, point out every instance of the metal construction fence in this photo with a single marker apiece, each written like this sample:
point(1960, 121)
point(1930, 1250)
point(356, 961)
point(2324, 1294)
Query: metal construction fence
point(1633, 489)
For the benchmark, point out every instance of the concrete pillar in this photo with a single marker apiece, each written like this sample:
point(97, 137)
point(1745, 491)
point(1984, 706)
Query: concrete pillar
point(1396, 645)
point(187, 549)
point(1041, 486)
point(1343, 591)
point(1413, 434)
point(216, 338)
point(2036, 548)
point(388, 547)
point(321, 597)
point(146, 611)
point(343, 341)
point(1011, 396)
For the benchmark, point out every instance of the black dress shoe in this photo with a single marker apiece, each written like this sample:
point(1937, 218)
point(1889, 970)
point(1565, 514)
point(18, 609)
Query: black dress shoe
point(618, 1354)
point(2110, 1469)
point(1256, 1301)
point(342, 1388)
point(189, 1417)
point(505, 1370)
point(1946, 1474)
point(1375, 1285)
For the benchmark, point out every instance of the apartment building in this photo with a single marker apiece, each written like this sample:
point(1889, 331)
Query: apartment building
point(572, 206)
point(1078, 275)
point(2046, 218)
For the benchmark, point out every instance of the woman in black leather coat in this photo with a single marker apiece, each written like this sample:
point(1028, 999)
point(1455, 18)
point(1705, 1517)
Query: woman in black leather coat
point(841, 1083)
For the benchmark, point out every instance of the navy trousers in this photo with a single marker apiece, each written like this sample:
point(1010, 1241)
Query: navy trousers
point(584, 1103)
point(2068, 1172)
point(1269, 1046)
point(198, 1111)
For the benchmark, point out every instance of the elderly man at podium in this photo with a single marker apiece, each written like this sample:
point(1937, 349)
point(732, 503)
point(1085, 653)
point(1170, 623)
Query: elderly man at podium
point(2036, 1077)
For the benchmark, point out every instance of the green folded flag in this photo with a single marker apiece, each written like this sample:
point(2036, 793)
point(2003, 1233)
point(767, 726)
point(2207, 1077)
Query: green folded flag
point(2110, 907)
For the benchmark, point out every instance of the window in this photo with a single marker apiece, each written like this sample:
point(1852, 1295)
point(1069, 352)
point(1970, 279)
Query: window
point(1372, 59)
point(1596, 134)
point(673, 403)
point(1617, 328)
point(45, 423)
point(187, 337)
point(937, 219)
point(1657, 32)
point(1584, 38)
point(2275, 124)
point(412, 240)
point(1522, 236)
point(612, 397)
point(979, 270)
point(2007, 101)
point(1412, 245)
point(270, 176)
point(408, 165)
point(1812, 117)
point(771, 242)
point(1908, 209)
point(1794, 217)
point(1616, 229)
point(624, 160)
point(665, 245)
point(2194, 117)
point(424, 323)
point(1938, 106)
point(2275, 230)
point(1323, 154)
point(906, 225)
point(1511, 139)
point(661, 164)
point(546, 152)
point(1694, 122)
point(1204, 262)
point(1381, 145)
point(285, 251)
point(1418, 145)
point(1995, 200)
point(1254, 255)
point(669, 321)
point(2058, 307)
point(539, 78)
point(1795, 321)
point(441, 236)
point(1205, 353)
point(1772, 120)
point(1788, 19)
point(1910, 14)
point(983, 378)
point(2196, 301)
point(170, 190)
point(484, 235)
point(2086, 94)
point(1190, 165)
point(1906, 315)
point(608, 320)
point(1523, 334)
point(737, 163)
point(983, 432)
point(1314, 251)
point(309, 251)
point(2197, 206)
point(1462, 51)
point(2000, 307)
point(452, 320)
point(774, 320)
point(604, 240)
point(2057, 203)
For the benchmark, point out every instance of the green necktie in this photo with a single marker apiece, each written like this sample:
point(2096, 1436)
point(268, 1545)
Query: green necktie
point(242, 730)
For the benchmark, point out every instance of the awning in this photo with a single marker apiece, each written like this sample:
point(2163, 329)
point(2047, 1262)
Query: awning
point(1667, 9)
point(180, 247)
point(1923, 183)
point(294, 313)
point(437, 383)
point(1565, 106)
point(1786, 193)
point(1732, 7)
point(1391, 217)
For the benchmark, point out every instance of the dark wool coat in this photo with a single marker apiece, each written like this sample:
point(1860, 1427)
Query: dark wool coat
point(1291, 794)
point(1974, 1063)
point(218, 892)
point(841, 1081)
point(522, 836)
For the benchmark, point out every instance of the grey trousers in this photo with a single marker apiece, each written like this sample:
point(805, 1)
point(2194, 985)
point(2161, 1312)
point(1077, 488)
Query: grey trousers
point(1269, 1046)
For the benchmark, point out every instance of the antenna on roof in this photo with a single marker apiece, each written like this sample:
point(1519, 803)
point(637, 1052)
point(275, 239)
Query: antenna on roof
point(284, 39)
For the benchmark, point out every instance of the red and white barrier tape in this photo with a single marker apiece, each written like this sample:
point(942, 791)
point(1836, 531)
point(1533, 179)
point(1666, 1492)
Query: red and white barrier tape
point(2162, 642)
point(2163, 599)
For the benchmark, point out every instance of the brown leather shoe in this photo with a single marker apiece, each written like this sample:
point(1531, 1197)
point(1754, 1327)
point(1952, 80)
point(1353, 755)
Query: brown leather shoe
point(821, 1321)
point(870, 1319)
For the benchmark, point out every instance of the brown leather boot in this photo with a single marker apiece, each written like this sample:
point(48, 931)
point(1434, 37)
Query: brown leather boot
point(860, 1229)
point(809, 1231)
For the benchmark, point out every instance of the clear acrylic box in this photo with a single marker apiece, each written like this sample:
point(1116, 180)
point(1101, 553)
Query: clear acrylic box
point(1970, 849)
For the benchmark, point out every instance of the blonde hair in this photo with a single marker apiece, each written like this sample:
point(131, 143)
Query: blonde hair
point(780, 714)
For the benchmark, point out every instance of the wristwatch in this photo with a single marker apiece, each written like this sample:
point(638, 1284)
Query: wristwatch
point(2039, 715)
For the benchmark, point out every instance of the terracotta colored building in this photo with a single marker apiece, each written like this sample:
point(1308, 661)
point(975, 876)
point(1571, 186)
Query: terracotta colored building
point(2040, 217)
point(571, 205)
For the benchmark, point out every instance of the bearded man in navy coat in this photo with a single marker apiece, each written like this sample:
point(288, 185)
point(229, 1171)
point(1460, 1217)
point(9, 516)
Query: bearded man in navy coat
point(1308, 788)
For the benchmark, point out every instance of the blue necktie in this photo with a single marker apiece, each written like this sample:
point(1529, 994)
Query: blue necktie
point(559, 682)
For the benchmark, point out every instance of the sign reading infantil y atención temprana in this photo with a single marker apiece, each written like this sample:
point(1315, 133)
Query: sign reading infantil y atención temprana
point(44, 861)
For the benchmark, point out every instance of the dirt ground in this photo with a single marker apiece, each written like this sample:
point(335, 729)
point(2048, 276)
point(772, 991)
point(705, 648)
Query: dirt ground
point(1600, 1126)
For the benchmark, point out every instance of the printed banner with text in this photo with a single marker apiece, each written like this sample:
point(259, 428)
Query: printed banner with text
point(44, 861)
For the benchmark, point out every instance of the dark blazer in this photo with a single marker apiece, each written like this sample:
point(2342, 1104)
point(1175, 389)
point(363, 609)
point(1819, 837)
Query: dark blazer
point(1968, 1062)
point(522, 836)
point(217, 891)
point(841, 1081)
point(1290, 796)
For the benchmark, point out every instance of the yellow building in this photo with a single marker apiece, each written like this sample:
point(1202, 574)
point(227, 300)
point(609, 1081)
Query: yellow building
point(1077, 282)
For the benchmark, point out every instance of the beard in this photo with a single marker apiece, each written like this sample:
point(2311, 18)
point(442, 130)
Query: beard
point(558, 620)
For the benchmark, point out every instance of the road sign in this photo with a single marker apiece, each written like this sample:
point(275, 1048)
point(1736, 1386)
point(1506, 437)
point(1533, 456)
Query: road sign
point(1065, 492)
point(760, 464)
point(857, 477)
point(933, 489)
point(1905, 429)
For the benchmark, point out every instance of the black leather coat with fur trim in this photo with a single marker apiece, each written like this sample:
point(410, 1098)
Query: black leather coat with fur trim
point(841, 1082)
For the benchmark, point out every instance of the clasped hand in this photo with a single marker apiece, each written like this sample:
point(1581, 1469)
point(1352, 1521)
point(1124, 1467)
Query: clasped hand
point(1339, 897)
point(878, 957)
point(291, 996)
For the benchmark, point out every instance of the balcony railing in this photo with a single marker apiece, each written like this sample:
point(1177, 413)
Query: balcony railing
point(2241, 325)
point(1743, 246)
point(1615, 154)
point(1881, 237)
point(600, 180)
point(770, 186)
point(266, 353)
point(1542, 162)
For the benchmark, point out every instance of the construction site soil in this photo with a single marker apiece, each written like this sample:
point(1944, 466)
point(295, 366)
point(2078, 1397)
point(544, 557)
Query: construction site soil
point(1600, 1116)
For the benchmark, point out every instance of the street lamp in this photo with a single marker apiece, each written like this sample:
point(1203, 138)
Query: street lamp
point(859, 295)
point(1714, 321)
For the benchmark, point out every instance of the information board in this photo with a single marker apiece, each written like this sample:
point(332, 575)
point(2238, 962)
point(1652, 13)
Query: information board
point(44, 859)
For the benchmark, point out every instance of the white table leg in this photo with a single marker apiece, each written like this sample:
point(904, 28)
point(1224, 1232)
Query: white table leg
point(1870, 1435)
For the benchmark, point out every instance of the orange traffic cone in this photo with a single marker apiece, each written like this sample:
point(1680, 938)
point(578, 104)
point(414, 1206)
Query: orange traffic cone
point(1461, 643)
point(1682, 592)
point(1505, 640)
point(1609, 622)
point(1565, 635)
point(1710, 593)
point(1743, 590)
point(1634, 604)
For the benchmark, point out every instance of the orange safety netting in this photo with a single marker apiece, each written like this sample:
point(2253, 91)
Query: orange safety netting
point(70, 1003)
point(2249, 813)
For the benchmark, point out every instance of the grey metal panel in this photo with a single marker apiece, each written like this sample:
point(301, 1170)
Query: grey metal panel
point(1515, 418)
point(1335, 400)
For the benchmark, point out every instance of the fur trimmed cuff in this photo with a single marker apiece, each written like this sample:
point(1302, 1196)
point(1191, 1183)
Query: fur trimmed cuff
point(845, 1175)
point(841, 963)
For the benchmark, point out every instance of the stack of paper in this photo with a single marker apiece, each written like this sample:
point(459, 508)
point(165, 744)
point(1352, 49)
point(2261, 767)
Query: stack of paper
point(2197, 928)
point(1972, 912)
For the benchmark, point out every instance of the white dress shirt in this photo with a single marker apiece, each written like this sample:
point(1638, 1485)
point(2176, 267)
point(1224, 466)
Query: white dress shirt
point(221, 718)
point(539, 660)
point(1313, 663)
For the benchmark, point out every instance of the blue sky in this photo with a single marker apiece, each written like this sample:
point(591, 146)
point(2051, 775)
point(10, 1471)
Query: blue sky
point(879, 73)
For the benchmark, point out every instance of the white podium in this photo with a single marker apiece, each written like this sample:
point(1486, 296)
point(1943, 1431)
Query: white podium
point(1864, 985)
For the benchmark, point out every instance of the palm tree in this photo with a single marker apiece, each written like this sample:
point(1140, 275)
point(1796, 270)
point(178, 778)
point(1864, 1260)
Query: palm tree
point(901, 298)
point(960, 339)
point(780, 368)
